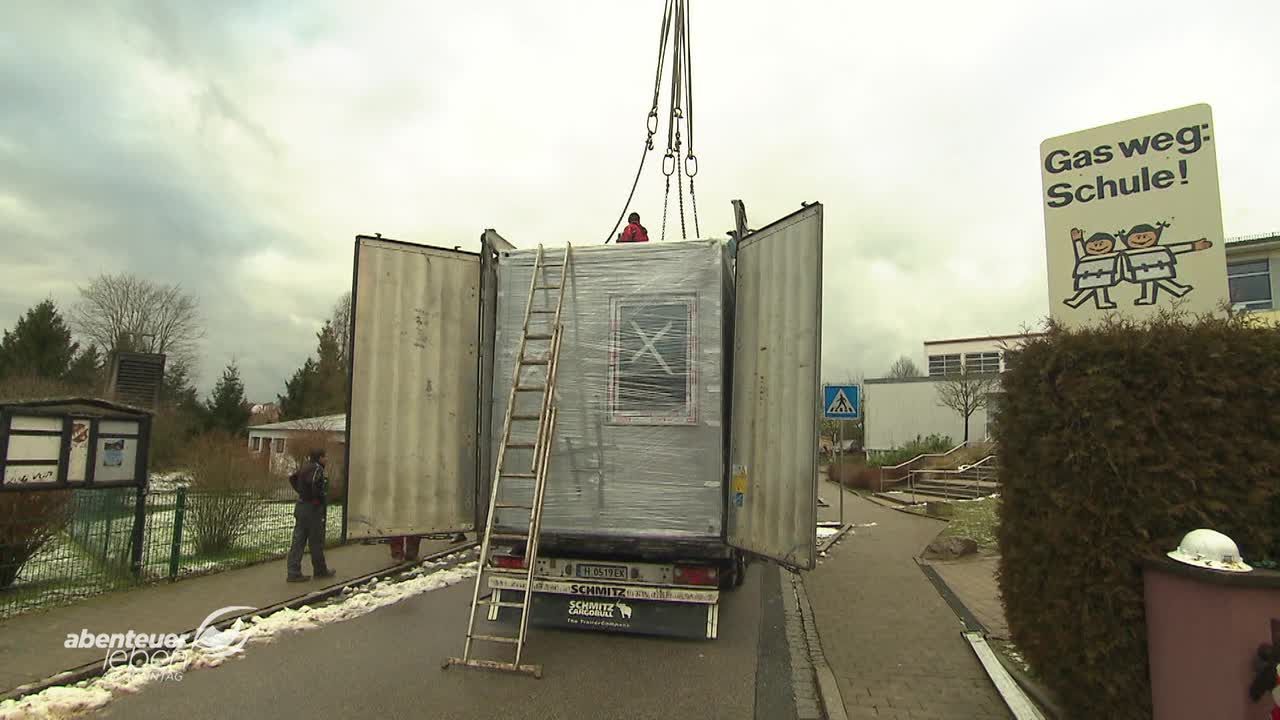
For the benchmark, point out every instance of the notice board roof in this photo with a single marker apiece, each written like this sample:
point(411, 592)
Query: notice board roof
point(74, 405)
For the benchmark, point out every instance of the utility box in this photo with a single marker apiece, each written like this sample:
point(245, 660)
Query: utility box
point(72, 442)
point(1203, 628)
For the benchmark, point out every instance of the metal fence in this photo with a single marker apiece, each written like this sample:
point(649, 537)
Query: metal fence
point(92, 544)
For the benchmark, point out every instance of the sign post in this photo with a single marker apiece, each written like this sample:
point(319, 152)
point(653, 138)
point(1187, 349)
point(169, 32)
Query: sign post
point(841, 402)
point(1133, 219)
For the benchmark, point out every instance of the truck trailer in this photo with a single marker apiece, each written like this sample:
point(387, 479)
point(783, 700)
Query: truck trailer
point(686, 395)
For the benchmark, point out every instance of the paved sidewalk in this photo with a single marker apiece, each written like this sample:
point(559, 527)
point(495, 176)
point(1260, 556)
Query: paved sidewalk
point(892, 642)
point(973, 580)
point(31, 645)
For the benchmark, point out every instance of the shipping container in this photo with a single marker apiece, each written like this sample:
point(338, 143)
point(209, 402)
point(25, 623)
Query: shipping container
point(687, 399)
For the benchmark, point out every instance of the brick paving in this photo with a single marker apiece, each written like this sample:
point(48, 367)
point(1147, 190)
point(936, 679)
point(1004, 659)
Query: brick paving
point(974, 582)
point(892, 642)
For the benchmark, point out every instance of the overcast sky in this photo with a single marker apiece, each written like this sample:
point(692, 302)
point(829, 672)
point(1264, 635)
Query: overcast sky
point(238, 147)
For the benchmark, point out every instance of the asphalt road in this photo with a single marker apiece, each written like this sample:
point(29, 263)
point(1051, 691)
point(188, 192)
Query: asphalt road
point(387, 665)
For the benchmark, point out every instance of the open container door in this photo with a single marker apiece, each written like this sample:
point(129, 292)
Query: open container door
point(413, 418)
point(773, 482)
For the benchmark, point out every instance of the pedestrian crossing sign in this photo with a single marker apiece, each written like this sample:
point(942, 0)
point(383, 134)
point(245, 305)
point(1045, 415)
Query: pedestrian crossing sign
point(841, 402)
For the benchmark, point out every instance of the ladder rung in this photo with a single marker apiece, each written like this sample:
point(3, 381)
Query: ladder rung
point(522, 445)
point(543, 312)
point(530, 388)
point(546, 287)
point(526, 417)
point(513, 505)
point(528, 476)
point(501, 604)
point(547, 265)
point(537, 361)
point(534, 670)
point(497, 639)
point(537, 336)
point(507, 536)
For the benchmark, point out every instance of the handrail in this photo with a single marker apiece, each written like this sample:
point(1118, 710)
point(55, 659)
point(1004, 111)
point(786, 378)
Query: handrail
point(924, 456)
point(976, 474)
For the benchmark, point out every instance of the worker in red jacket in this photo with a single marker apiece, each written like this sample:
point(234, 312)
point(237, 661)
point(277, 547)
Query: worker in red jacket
point(634, 231)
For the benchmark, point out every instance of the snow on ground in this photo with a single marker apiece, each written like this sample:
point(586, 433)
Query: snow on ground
point(826, 532)
point(90, 695)
point(168, 481)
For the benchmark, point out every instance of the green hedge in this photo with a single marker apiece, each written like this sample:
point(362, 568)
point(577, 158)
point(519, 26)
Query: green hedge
point(1114, 442)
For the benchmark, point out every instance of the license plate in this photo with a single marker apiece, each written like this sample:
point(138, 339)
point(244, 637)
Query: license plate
point(602, 572)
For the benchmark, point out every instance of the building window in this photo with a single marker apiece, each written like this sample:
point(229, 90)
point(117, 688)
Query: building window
point(983, 362)
point(652, 370)
point(1250, 284)
point(279, 445)
point(256, 443)
point(940, 365)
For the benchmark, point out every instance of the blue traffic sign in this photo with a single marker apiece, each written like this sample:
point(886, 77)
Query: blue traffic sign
point(841, 402)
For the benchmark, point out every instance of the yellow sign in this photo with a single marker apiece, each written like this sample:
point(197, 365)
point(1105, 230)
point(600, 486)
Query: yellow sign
point(1133, 219)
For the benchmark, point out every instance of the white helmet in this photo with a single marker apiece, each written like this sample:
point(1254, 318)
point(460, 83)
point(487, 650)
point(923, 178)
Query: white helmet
point(1210, 549)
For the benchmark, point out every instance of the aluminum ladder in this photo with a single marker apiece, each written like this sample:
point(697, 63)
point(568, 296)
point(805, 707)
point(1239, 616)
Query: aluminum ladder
point(545, 417)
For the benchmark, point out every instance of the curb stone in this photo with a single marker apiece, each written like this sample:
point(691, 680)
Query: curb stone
point(811, 675)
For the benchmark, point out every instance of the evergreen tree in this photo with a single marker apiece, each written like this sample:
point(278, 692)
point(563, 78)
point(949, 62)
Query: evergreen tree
point(301, 392)
point(319, 387)
point(40, 345)
point(85, 371)
point(331, 373)
point(226, 407)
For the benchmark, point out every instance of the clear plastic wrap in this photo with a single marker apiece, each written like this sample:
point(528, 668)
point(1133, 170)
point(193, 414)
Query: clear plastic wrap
point(640, 444)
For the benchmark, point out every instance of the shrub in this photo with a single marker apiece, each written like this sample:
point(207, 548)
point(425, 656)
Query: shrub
point(920, 446)
point(28, 520)
point(228, 491)
point(1115, 441)
point(854, 473)
point(14, 388)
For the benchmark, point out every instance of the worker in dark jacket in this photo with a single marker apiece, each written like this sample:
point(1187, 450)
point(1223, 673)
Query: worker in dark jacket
point(634, 231)
point(309, 517)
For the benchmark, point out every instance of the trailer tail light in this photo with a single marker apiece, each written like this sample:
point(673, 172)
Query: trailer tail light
point(509, 562)
point(696, 575)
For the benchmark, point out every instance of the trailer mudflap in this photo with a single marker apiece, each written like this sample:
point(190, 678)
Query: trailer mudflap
point(594, 608)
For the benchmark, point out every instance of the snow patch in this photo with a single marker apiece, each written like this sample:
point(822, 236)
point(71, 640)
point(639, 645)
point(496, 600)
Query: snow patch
point(87, 696)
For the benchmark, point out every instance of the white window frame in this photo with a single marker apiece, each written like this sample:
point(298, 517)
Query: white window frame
point(255, 443)
point(981, 361)
point(688, 413)
point(948, 364)
point(1267, 304)
point(279, 445)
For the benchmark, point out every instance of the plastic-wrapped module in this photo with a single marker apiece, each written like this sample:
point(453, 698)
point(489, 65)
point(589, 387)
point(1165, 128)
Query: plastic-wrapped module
point(639, 447)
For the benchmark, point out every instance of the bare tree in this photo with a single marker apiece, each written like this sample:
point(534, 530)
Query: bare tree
point(127, 313)
point(904, 367)
point(967, 392)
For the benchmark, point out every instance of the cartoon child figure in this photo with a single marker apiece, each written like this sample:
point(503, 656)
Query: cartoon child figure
point(1153, 265)
point(1096, 271)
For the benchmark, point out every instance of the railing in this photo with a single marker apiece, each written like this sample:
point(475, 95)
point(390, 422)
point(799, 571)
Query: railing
point(58, 546)
point(967, 479)
point(916, 462)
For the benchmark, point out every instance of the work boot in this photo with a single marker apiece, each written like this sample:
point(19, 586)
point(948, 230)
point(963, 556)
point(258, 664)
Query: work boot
point(297, 578)
point(326, 573)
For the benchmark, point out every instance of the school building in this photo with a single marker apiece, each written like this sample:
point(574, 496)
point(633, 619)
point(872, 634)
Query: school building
point(897, 410)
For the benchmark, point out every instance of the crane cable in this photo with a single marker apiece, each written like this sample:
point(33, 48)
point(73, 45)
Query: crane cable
point(675, 12)
point(651, 121)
